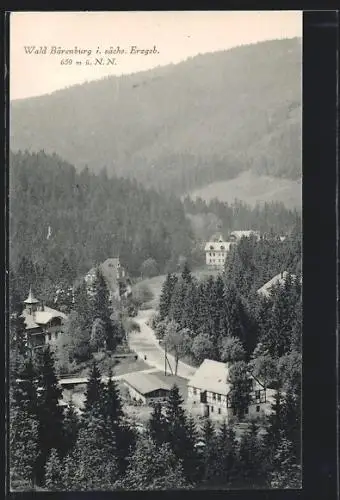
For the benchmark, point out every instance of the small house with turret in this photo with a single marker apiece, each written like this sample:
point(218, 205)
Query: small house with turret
point(42, 323)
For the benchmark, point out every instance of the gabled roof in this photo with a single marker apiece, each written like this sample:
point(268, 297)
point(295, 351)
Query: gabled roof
point(145, 383)
point(279, 279)
point(40, 318)
point(211, 376)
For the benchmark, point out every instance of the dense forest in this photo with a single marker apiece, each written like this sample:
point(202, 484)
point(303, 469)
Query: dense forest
point(58, 217)
point(180, 126)
point(90, 218)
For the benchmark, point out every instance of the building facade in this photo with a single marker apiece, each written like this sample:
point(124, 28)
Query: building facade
point(216, 252)
point(209, 393)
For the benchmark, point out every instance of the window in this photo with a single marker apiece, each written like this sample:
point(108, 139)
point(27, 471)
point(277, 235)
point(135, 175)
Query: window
point(219, 397)
point(219, 411)
point(246, 411)
point(214, 396)
point(258, 408)
point(257, 394)
point(49, 336)
point(195, 391)
point(212, 409)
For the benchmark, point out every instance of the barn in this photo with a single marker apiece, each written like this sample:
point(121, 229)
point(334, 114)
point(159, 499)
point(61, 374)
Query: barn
point(146, 388)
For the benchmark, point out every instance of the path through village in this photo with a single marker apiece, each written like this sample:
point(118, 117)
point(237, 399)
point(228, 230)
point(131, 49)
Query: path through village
point(145, 343)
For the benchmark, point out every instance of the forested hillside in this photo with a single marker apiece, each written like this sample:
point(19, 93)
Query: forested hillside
point(57, 214)
point(180, 126)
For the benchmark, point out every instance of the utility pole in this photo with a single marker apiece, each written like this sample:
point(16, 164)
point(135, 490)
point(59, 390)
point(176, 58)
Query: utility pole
point(165, 359)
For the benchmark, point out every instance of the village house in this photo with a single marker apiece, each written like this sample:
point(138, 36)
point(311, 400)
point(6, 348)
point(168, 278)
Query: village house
point(146, 388)
point(43, 324)
point(115, 276)
point(216, 252)
point(279, 279)
point(235, 236)
point(208, 393)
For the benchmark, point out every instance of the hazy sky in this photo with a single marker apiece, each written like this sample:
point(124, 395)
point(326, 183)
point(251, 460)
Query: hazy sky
point(177, 36)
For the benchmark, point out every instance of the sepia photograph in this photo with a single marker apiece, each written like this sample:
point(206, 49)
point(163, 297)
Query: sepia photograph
point(155, 250)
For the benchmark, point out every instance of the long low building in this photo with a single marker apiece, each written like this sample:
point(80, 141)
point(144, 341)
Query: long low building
point(146, 387)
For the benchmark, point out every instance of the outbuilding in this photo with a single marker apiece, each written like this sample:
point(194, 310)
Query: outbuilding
point(146, 387)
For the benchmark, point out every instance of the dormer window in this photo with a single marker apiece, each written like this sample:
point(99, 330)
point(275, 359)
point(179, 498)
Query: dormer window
point(222, 247)
point(211, 247)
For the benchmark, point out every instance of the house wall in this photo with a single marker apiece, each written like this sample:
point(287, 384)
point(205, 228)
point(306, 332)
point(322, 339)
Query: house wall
point(152, 397)
point(215, 405)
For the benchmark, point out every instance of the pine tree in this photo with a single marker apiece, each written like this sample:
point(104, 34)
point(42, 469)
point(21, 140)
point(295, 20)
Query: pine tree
point(153, 467)
point(251, 471)
point(166, 296)
point(95, 454)
point(157, 424)
point(70, 429)
point(23, 443)
point(101, 303)
point(286, 470)
point(50, 413)
point(239, 394)
point(54, 472)
point(83, 306)
point(180, 438)
point(112, 402)
point(186, 274)
point(226, 463)
point(94, 390)
point(210, 448)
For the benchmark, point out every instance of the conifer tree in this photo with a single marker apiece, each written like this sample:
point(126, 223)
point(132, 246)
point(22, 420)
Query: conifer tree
point(112, 402)
point(54, 472)
point(180, 439)
point(210, 448)
point(23, 441)
point(226, 463)
point(286, 471)
point(166, 295)
point(186, 274)
point(70, 428)
point(251, 470)
point(95, 454)
point(153, 467)
point(239, 394)
point(94, 390)
point(157, 425)
point(50, 413)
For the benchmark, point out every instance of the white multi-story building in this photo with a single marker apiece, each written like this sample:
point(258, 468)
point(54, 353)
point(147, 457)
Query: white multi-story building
point(209, 388)
point(216, 252)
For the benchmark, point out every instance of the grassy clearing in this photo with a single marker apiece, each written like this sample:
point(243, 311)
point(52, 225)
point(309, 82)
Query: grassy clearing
point(155, 284)
point(105, 362)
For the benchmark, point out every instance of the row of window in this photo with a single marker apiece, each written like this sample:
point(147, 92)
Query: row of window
point(258, 408)
point(212, 254)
